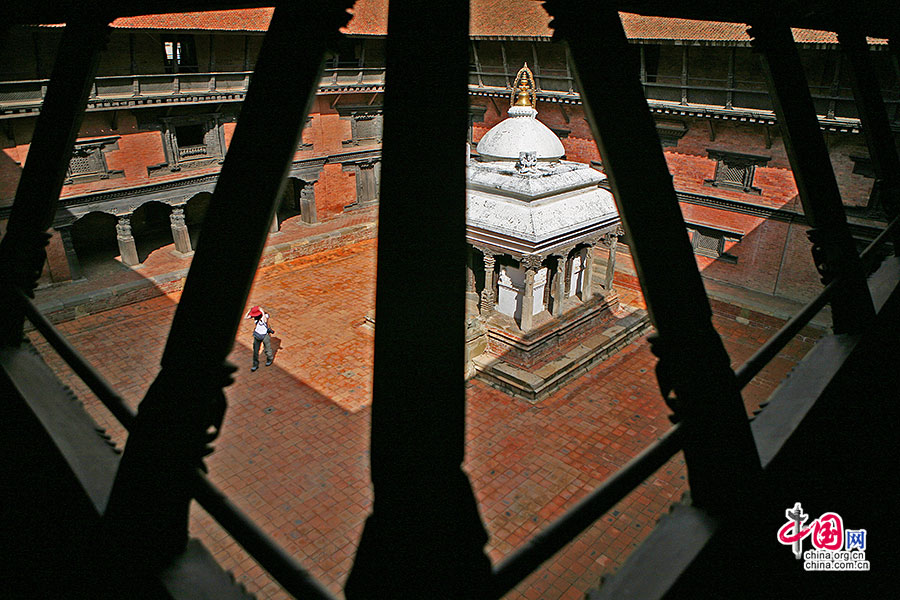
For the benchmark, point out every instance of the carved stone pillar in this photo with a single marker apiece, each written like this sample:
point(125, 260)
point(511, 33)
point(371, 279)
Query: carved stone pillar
point(368, 177)
point(171, 146)
point(127, 247)
point(559, 286)
point(65, 234)
point(611, 242)
point(180, 231)
point(587, 275)
point(527, 318)
point(368, 181)
point(487, 294)
point(471, 295)
point(308, 203)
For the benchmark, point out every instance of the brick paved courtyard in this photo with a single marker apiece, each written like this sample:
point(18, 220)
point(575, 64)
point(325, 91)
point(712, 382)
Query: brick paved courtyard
point(293, 451)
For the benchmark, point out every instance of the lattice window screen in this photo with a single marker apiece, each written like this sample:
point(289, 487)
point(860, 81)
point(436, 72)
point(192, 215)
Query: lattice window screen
point(82, 165)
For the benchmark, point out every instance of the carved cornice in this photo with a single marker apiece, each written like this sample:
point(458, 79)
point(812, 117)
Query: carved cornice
point(357, 157)
point(532, 261)
point(859, 230)
point(350, 89)
point(359, 110)
point(107, 196)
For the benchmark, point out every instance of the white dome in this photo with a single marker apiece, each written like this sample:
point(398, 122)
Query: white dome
point(520, 132)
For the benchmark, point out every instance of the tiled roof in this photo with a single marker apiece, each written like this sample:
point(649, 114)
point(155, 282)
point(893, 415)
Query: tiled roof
point(508, 18)
point(248, 19)
point(661, 28)
point(640, 27)
point(526, 18)
point(489, 18)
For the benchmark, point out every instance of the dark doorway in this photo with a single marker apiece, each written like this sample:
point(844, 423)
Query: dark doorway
point(150, 228)
point(94, 241)
point(194, 214)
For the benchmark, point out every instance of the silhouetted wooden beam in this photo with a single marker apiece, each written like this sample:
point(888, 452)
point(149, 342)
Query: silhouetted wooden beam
point(23, 247)
point(833, 249)
point(721, 457)
point(875, 123)
point(185, 405)
point(424, 538)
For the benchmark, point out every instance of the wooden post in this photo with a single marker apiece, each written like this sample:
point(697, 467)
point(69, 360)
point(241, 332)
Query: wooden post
point(424, 538)
point(693, 370)
point(147, 512)
point(833, 249)
point(526, 319)
point(875, 125)
point(125, 239)
point(23, 247)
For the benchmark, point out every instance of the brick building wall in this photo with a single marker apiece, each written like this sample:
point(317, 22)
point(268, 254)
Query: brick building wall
point(772, 255)
point(767, 255)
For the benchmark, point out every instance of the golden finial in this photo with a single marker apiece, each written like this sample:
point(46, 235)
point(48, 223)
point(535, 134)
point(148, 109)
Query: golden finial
point(523, 89)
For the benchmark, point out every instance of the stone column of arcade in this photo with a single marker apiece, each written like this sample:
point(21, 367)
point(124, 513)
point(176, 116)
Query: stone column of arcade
point(487, 294)
point(527, 319)
point(127, 247)
point(472, 297)
point(65, 233)
point(587, 277)
point(559, 285)
point(180, 231)
point(308, 203)
point(611, 242)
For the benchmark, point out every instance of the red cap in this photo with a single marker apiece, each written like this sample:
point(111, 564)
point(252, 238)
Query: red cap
point(255, 312)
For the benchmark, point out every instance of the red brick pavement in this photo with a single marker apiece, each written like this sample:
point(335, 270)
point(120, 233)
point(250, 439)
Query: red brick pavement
point(165, 262)
point(293, 451)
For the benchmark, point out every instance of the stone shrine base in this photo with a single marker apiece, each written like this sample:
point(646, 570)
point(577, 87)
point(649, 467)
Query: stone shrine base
point(534, 365)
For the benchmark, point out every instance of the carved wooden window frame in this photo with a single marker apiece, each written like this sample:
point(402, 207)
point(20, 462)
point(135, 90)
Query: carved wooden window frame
point(670, 132)
point(361, 132)
point(735, 171)
point(301, 145)
point(179, 53)
point(710, 242)
point(91, 154)
point(210, 152)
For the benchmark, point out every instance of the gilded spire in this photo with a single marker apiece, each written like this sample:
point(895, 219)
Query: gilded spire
point(523, 93)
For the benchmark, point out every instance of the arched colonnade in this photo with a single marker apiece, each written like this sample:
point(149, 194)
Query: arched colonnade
point(524, 286)
point(132, 233)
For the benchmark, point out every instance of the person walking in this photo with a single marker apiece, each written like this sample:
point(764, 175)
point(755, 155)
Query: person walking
point(261, 331)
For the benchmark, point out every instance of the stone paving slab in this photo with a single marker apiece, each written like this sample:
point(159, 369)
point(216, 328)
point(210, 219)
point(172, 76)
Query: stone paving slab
point(293, 452)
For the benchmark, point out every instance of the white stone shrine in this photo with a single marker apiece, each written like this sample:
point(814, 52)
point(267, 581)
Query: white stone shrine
point(535, 219)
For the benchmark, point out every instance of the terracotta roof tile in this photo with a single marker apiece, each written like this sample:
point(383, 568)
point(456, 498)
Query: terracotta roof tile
point(248, 19)
point(640, 27)
point(525, 18)
point(517, 18)
point(660, 28)
point(489, 18)
point(369, 18)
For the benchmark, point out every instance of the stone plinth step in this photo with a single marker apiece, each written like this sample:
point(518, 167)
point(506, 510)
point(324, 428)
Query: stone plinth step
point(538, 384)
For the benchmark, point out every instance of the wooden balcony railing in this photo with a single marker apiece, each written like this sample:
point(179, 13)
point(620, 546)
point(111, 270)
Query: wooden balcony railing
point(25, 96)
